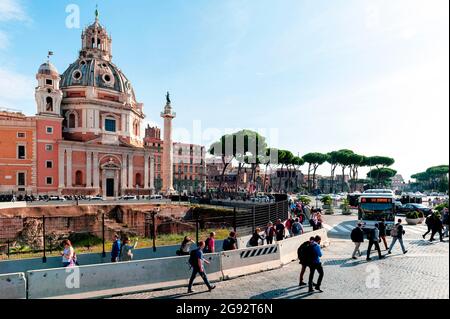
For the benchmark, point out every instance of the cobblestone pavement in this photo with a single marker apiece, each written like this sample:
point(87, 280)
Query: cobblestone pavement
point(422, 273)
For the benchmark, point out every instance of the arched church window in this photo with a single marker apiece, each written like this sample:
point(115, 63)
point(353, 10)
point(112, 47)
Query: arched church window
point(138, 179)
point(49, 104)
point(78, 178)
point(72, 120)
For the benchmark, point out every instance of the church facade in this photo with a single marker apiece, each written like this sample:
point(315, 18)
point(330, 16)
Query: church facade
point(86, 136)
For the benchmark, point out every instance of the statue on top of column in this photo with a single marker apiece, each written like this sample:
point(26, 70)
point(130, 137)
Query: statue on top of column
point(168, 98)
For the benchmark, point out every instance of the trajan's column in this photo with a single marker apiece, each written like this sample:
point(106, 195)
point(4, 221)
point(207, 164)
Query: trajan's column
point(167, 169)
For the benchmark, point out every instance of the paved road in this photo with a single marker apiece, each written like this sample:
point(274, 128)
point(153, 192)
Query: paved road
point(422, 273)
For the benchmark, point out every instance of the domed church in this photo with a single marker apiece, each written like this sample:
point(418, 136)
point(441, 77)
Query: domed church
point(91, 118)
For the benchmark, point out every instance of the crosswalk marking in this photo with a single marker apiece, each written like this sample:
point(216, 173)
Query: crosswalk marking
point(347, 229)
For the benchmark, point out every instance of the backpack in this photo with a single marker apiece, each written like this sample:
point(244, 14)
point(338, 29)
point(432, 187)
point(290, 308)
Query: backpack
point(271, 232)
point(301, 251)
point(193, 258)
point(296, 228)
point(394, 231)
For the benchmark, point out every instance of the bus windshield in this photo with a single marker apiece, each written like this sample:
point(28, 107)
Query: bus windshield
point(377, 211)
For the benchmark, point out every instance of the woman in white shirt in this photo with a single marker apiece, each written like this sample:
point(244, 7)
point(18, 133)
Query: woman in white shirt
point(68, 253)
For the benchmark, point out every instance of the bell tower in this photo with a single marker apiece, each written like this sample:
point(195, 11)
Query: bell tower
point(47, 93)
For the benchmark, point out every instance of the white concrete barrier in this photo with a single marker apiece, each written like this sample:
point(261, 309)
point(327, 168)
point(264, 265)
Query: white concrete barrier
point(246, 261)
point(116, 278)
point(288, 247)
point(13, 286)
point(6, 205)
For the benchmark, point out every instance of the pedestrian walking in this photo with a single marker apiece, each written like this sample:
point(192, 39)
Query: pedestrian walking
point(429, 222)
point(196, 260)
point(316, 264)
point(256, 237)
point(279, 230)
point(397, 233)
point(115, 251)
point(357, 236)
point(437, 228)
point(270, 233)
point(68, 255)
point(304, 259)
point(383, 233)
point(210, 244)
point(185, 247)
point(374, 239)
point(297, 228)
point(288, 226)
point(230, 243)
point(126, 251)
point(445, 222)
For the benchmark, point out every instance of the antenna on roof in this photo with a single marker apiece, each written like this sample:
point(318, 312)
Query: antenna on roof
point(50, 53)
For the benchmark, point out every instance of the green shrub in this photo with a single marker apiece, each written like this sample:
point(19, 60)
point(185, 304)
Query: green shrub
point(327, 200)
point(412, 215)
point(441, 207)
point(304, 199)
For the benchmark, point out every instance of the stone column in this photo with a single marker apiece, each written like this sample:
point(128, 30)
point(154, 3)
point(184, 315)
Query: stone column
point(61, 167)
point(116, 183)
point(152, 174)
point(69, 168)
point(130, 171)
point(167, 170)
point(96, 170)
point(146, 179)
point(88, 169)
point(104, 183)
point(124, 173)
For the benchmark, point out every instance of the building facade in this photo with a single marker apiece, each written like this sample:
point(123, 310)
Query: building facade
point(86, 136)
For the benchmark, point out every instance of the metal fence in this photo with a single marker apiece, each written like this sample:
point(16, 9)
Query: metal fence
point(23, 237)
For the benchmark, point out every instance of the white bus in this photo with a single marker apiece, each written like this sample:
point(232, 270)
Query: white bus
point(374, 206)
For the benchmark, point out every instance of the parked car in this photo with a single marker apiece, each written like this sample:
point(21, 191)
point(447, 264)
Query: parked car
point(411, 207)
point(128, 197)
point(56, 198)
point(96, 198)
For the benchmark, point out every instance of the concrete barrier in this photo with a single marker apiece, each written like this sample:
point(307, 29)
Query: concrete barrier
point(117, 278)
point(24, 265)
point(241, 262)
point(13, 286)
point(288, 247)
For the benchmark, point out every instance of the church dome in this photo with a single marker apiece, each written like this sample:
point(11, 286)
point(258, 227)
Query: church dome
point(97, 73)
point(48, 69)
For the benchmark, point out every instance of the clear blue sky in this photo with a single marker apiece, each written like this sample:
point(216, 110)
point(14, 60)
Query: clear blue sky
point(369, 75)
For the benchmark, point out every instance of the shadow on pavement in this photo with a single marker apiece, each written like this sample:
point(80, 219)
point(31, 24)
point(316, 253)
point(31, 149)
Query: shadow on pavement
point(277, 293)
point(177, 296)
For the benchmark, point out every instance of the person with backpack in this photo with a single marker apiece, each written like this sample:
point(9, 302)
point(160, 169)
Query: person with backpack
point(270, 233)
point(279, 230)
point(256, 237)
point(397, 233)
point(185, 247)
point(297, 228)
point(126, 252)
point(289, 224)
point(68, 254)
point(383, 234)
point(315, 252)
point(357, 237)
point(304, 259)
point(429, 222)
point(210, 244)
point(374, 239)
point(230, 243)
point(196, 260)
point(115, 251)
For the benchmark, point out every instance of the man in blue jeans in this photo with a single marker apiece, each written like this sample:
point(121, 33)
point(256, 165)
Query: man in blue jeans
point(316, 264)
point(115, 251)
point(196, 260)
point(397, 235)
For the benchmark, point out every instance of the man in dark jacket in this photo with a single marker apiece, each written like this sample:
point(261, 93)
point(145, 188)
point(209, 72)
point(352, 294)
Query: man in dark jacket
point(437, 228)
point(429, 222)
point(374, 239)
point(397, 235)
point(383, 234)
point(115, 249)
point(357, 237)
point(279, 229)
point(316, 265)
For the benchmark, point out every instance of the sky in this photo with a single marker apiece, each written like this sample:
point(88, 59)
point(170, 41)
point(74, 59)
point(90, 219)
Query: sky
point(311, 76)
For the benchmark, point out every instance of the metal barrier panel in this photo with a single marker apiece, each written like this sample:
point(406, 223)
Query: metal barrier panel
point(241, 262)
point(13, 286)
point(288, 247)
point(116, 278)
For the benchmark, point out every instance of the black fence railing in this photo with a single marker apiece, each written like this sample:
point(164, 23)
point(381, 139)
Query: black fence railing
point(24, 237)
